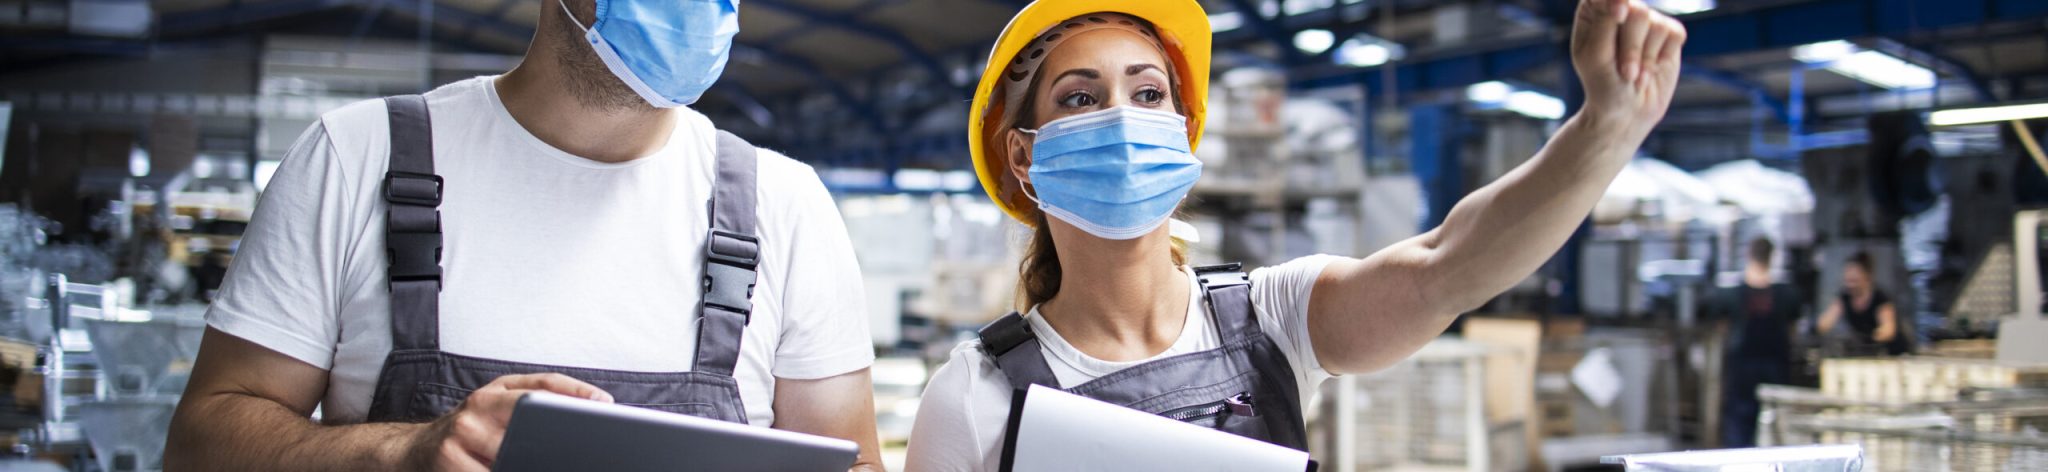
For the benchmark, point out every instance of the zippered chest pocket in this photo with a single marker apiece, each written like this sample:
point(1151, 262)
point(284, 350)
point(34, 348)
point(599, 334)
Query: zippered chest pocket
point(1216, 414)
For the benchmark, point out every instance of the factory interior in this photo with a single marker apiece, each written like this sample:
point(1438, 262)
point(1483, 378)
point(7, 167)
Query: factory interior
point(1885, 152)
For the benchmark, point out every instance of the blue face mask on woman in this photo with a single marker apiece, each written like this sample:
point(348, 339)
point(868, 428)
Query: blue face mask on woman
point(1116, 173)
point(668, 51)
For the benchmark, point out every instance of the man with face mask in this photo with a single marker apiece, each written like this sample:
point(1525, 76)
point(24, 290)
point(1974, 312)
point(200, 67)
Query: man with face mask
point(417, 263)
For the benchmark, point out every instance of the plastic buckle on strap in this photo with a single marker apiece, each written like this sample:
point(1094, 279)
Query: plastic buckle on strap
point(1220, 268)
point(729, 271)
point(412, 188)
point(414, 257)
point(1004, 334)
point(1223, 279)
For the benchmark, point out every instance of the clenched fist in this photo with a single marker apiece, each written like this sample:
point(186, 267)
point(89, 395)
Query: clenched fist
point(1627, 56)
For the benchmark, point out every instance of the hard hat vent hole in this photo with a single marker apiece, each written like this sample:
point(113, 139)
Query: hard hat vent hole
point(1052, 37)
point(1073, 25)
point(1126, 23)
point(1037, 52)
point(1095, 19)
point(1017, 76)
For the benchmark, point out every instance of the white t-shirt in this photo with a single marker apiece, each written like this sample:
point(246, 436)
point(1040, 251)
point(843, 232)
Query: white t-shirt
point(961, 418)
point(549, 258)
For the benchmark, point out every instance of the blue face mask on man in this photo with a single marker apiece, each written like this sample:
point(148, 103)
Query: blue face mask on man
point(668, 51)
point(1117, 173)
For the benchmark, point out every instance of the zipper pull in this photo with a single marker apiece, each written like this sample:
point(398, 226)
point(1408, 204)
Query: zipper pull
point(1241, 404)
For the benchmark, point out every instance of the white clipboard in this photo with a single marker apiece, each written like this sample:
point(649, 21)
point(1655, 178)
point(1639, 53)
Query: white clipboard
point(1052, 430)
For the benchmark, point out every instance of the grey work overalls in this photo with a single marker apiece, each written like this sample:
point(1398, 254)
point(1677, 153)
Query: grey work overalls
point(421, 382)
point(1245, 387)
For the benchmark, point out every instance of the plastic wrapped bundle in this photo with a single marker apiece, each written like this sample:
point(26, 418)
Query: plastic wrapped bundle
point(128, 434)
point(137, 357)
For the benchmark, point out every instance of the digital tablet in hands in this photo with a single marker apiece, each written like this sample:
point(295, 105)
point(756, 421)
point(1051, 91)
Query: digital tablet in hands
point(551, 432)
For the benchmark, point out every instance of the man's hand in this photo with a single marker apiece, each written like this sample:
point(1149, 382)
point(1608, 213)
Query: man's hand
point(1627, 56)
point(467, 439)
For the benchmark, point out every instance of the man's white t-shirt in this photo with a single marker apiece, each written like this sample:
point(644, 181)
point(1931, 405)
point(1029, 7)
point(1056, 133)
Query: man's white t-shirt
point(549, 258)
point(961, 418)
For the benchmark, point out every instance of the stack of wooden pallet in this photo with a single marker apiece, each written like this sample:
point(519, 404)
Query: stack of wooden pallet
point(1922, 379)
point(1907, 392)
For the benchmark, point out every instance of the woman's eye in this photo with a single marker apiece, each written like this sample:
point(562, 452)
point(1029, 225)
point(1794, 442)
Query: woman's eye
point(1078, 100)
point(1149, 97)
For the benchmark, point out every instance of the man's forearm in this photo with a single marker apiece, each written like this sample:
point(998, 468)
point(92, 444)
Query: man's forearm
point(227, 431)
point(1506, 230)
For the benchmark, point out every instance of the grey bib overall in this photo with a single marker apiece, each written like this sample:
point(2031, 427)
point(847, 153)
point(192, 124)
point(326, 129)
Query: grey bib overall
point(421, 382)
point(1245, 387)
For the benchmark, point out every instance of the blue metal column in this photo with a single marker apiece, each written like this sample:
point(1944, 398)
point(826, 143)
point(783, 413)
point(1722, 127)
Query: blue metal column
point(1433, 153)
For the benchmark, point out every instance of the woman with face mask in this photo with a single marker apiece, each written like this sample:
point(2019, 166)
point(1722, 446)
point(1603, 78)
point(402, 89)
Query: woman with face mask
point(1083, 128)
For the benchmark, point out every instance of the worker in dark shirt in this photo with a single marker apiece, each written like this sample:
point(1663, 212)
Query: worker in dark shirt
point(1873, 319)
point(1761, 314)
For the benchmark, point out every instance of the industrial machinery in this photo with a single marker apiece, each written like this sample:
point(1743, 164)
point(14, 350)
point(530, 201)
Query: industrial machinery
point(109, 377)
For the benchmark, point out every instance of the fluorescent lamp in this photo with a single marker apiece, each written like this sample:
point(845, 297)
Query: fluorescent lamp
point(1990, 114)
point(1883, 70)
point(1681, 7)
point(1492, 91)
point(1536, 105)
point(918, 179)
point(926, 180)
point(1362, 55)
point(1298, 7)
point(1823, 51)
point(1226, 21)
point(1314, 41)
point(1873, 67)
point(1365, 50)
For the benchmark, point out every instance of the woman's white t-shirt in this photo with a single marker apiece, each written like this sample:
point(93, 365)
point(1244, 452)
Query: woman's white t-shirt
point(961, 417)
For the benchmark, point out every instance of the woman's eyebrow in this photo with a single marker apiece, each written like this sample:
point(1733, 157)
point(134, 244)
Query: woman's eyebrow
point(1134, 69)
point(1091, 74)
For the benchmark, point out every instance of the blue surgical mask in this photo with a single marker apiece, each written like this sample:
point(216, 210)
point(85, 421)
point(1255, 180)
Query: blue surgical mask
point(1116, 173)
point(668, 51)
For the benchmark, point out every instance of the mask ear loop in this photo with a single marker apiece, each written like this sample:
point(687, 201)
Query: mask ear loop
point(1034, 198)
point(572, 16)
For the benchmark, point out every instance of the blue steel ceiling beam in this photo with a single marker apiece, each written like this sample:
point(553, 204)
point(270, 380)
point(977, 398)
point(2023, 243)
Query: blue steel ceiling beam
point(1794, 23)
point(818, 77)
point(745, 102)
point(1711, 34)
point(497, 11)
point(1937, 61)
point(842, 21)
point(1758, 93)
point(1364, 13)
point(369, 18)
point(199, 21)
point(1269, 29)
point(1448, 69)
point(76, 45)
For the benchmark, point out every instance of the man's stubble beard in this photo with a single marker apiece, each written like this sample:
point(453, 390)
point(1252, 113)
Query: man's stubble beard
point(585, 74)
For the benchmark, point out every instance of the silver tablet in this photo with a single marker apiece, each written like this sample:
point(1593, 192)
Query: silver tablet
point(554, 433)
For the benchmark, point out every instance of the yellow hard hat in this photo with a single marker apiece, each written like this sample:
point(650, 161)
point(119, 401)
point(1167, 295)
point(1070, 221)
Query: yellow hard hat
point(1183, 31)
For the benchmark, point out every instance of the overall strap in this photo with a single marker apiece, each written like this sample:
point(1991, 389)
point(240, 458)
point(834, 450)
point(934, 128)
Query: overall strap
point(412, 226)
point(1015, 348)
point(1229, 293)
point(732, 253)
